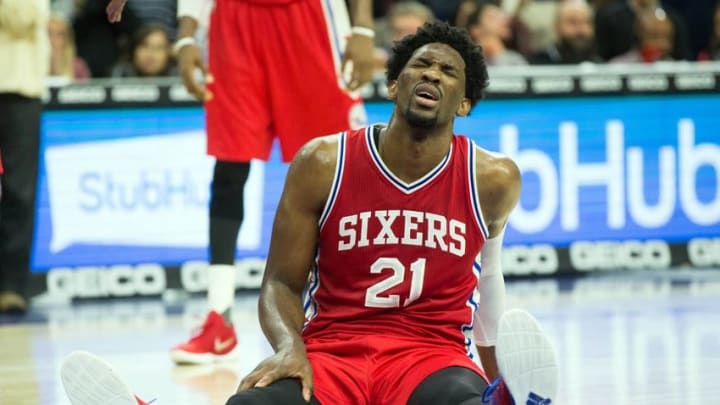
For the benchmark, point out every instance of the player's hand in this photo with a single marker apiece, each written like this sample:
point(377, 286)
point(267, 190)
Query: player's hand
point(190, 57)
point(283, 364)
point(359, 53)
point(114, 10)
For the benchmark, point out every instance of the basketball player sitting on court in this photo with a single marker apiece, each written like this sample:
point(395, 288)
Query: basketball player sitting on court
point(372, 282)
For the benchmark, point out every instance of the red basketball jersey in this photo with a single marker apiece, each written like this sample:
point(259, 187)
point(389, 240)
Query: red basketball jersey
point(396, 258)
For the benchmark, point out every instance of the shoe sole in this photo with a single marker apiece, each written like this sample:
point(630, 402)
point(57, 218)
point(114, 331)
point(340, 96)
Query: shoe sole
point(90, 380)
point(186, 358)
point(526, 359)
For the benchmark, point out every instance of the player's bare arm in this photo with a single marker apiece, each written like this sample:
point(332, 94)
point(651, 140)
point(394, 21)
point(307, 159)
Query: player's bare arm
point(189, 58)
point(292, 251)
point(499, 186)
point(360, 46)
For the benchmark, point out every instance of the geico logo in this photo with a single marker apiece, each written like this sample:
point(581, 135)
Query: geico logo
point(593, 289)
point(704, 287)
point(106, 281)
point(248, 274)
point(537, 290)
point(601, 83)
point(648, 82)
point(561, 180)
point(533, 259)
point(612, 255)
point(179, 93)
point(508, 85)
point(556, 84)
point(143, 93)
point(82, 95)
point(108, 317)
point(704, 252)
point(695, 81)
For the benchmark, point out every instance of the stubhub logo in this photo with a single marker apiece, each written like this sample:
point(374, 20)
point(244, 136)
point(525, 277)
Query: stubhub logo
point(149, 191)
point(623, 176)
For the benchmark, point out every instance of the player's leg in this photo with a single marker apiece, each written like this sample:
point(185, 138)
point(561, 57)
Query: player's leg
point(450, 386)
point(238, 125)
point(19, 143)
point(307, 95)
point(283, 392)
point(226, 216)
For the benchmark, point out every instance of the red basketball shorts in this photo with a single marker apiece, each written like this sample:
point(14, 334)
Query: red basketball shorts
point(276, 73)
point(378, 370)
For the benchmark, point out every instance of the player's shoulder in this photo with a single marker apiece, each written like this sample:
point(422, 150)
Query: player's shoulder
point(495, 166)
point(320, 152)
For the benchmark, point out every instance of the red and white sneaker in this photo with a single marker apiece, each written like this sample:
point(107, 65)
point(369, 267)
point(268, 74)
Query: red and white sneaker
point(526, 362)
point(215, 342)
point(90, 380)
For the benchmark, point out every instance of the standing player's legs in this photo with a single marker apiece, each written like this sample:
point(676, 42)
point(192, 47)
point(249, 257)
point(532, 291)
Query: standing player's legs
point(19, 143)
point(308, 98)
point(238, 129)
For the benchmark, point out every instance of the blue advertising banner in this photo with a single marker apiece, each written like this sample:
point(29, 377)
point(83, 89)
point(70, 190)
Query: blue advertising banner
point(131, 186)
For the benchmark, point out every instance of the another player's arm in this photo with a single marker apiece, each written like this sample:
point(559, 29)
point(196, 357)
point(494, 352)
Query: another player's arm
point(292, 250)
point(499, 186)
point(360, 46)
point(187, 53)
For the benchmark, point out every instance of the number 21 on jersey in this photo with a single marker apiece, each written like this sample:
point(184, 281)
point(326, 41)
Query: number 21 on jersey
point(375, 296)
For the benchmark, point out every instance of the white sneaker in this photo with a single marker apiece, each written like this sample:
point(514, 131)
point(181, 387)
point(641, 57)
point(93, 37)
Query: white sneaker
point(526, 359)
point(90, 380)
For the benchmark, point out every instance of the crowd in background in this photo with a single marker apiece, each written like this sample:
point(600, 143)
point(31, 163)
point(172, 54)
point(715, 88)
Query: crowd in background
point(511, 32)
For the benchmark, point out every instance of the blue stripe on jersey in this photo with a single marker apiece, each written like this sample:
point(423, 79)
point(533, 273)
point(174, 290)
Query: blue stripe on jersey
point(473, 304)
point(339, 169)
point(310, 305)
point(333, 34)
point(473, 190)
point(477, 267)
point(407, 188)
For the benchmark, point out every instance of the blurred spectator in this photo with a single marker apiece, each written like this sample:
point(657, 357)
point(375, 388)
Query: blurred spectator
point(697, 16)
point(98, 42)
point(489, 27)
point(463, 10)
point(615, 31)
point(442, 9)
point(63, 60)
point(715, 42)
point(404, 18)
point(713, 50)
point(519, 38)
point(150, 54)
point(575, 37)
point(538, 17)
point(163, 12)
point(24, 43)
point(63, 7)
point(656, 34)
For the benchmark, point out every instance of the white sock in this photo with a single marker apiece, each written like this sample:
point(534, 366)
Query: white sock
point(221, 287)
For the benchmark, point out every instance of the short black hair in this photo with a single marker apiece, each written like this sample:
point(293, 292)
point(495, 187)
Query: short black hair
point(476, 75)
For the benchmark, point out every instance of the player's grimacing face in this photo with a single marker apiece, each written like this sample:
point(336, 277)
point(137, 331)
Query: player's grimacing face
point(430, 90)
